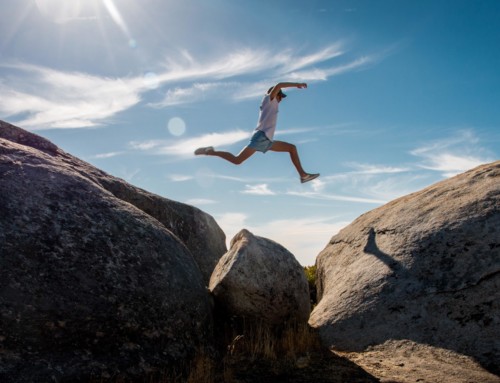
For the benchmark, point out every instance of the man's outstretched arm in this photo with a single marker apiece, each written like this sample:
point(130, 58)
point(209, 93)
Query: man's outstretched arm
point(282, 85)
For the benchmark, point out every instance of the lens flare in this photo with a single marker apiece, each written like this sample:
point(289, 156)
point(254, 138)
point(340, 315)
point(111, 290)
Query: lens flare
point(176, 126)
point(116, 16)
point(132, 43)
point(151, 80)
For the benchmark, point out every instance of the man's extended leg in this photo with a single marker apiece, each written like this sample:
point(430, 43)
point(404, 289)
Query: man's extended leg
point(238, 159)
point(282, 146)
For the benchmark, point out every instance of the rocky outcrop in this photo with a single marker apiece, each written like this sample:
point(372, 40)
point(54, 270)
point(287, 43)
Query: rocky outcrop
point(90, 284)
point(259, 279)
point(198, 230)
point(425, 267)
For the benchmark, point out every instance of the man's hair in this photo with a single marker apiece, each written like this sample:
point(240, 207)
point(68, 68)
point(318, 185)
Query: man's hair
point(283, 95)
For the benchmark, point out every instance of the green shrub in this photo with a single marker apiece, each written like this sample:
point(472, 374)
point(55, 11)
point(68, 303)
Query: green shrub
point(310, 272)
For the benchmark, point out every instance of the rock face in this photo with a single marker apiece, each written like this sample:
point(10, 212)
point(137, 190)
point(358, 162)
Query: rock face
point(91, 285)
point(258, 278)
point(198, 231)
point(425, 267)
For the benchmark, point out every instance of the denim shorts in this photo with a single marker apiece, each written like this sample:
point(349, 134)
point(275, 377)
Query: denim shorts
point(260, 142)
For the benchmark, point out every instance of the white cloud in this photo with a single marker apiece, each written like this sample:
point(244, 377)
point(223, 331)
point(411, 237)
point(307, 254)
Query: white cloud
point(318, 185)
point(107, 155)
point(129, 174)
point(146, 145)
point(303, 237)
point(186, 147)
point(367, 183)
point(260, 189)
point(295, 63)
point(376, 169)
point(46, 98)
point(231, 223)
point(58, 99)
point(390, 188)
point(452, 164)
point(196, 93)
point(454, 155)
point(335, 197)
point(180, 177)
point(320, 74)
point(242, 62)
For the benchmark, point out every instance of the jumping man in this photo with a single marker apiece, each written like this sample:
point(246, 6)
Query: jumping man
point(262, 139)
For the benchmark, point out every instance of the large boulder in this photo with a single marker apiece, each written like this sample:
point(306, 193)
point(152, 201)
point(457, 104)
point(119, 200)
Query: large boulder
point(259, 279)
point(90, 285)
point(425, 267)
point(198, 230)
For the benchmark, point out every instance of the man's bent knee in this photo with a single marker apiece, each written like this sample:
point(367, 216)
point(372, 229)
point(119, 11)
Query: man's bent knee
point(239, 160)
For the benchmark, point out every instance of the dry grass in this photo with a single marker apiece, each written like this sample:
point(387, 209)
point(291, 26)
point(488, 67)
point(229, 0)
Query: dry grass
point(257, 340)
point(278, 347)
point(243, 344)
point(203, 370)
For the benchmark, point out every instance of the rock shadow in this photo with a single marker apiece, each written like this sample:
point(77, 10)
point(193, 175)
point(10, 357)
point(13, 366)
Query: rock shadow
point(372, 248)
point(426, 308)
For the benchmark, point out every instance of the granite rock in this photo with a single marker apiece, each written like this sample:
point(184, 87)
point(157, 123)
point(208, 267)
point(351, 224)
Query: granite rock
point(259, 279)
point(90, 284)
point(424, 267)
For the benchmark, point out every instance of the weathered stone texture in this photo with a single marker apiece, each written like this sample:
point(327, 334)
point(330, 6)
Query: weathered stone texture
point(425, 267)
point(89, 283)
point(258, 278)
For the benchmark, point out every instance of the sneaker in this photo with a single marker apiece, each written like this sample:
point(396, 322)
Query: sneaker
point(308, 177)
point(204, 151)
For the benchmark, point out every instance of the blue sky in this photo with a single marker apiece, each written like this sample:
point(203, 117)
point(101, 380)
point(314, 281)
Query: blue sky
point(401, 94)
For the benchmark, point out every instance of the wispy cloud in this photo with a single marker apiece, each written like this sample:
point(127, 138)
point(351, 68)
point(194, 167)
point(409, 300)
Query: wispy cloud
point(106, 155)
point(260, 189)
point(389, 187)
point(180, 177)
point(322, 74)
point(43, 98)
point(452, 164)
point(376, 169)
point(365, 184)
point(146, 145)
point(196, 93)
point(335, 197)
point(453, 155)
point(295, 63)
point(129, 174)
point(231, 223)
point(303, 237)
point(58, 99)
point(186, 147)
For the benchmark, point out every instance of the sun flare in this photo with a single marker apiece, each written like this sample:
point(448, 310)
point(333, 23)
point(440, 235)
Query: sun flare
point(59, 11)
point(64, 11)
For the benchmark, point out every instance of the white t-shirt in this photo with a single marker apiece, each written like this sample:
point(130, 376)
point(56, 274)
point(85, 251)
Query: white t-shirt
point(268, 116)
